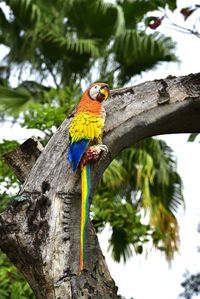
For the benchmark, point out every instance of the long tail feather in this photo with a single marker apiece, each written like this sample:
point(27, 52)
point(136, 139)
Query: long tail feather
point(85, 192)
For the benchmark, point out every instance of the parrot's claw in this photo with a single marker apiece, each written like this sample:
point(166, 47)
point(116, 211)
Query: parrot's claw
point(103, 150)
point(96, 152)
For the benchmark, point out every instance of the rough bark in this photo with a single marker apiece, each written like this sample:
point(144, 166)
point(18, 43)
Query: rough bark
point(22, 159)
point(41, 235)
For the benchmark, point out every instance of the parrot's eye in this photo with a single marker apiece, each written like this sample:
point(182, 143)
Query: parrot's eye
point(93, 92)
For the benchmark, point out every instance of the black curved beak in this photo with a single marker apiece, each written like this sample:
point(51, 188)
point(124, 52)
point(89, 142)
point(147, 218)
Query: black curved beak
point(104, 92)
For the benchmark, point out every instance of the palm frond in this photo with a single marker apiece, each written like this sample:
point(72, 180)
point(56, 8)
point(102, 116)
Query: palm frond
point(68, 43)
point(12, 99)
point(144, 175)
point(112, 177)
point(106, 19)
point(120, 245)
point(192, 137)
point(5, 26)
point(15, 100)
point(137, 52)
point(25, 11)
point(134, 11)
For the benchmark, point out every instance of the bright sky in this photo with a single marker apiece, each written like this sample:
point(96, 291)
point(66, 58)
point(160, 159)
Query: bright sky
point(151, 277)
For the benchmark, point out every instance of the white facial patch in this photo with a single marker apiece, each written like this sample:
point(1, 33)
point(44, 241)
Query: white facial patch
point(93, 92)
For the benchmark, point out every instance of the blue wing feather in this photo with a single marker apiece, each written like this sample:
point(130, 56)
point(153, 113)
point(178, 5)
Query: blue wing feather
point(76, 150)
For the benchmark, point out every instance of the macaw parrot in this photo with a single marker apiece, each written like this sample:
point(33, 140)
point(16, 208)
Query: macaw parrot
point(85, 145)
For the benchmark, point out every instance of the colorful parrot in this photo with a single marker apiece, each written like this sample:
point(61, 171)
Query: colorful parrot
point(85, 145)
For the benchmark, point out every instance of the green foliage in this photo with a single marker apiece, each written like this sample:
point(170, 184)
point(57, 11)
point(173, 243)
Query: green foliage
point(15, 100)
point(125, 222)
point(12, 283)
point(192, 137)
point(65, 40)
point(135, 49)
point(104, 21)
point(7, 178)
point(8, 181)
point(5, 199)
point(48, 116)
point(141, 178)
point(134, 11)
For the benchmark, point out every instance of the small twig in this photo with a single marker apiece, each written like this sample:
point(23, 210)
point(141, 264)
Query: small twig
point(183, 29)
point(184, 32)
point(187, 30)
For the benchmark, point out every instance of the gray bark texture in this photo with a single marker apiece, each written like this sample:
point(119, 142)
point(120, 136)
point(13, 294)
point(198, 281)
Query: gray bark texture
point(40, 235)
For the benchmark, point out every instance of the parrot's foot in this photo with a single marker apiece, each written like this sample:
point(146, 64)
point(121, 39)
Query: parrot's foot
point(103, 150)
point(95, 152)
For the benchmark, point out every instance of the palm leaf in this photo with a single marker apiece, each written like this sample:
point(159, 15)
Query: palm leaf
point(134, 11)
point(68, 43)
point(26, 12)
point(5, 26)
point(143, 176)
point(12, 99)
point(137, 52)
point(15, 100)
point(192, 137)
point(105, 20)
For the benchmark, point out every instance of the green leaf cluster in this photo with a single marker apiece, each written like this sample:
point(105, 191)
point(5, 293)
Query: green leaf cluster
point(9, 184)
point(7, 178)
point(141, 183)
point(12, 283)
point(15, 100)
point(133, 49)
point(48, 116)
point(66, 41)
point(135, 11)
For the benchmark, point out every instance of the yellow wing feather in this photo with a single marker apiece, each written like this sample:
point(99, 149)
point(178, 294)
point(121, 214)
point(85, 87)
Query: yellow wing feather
point(86, 125)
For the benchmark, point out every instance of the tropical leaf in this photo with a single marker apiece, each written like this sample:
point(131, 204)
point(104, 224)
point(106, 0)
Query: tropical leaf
point(192, 137)
point(25, 11)
point(134, 11)
point(113, 174)
point(105, 20)
point(5, 26)
point(15, 100)
point(142, 176)
point(120, 245)
point(172, 4)
point(137, 52)
point(68, 43)
point(12, 283)
point(67, 38)
point(12, 99)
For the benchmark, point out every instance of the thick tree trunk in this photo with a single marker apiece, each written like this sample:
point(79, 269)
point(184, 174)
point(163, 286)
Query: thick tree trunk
point(41, 234)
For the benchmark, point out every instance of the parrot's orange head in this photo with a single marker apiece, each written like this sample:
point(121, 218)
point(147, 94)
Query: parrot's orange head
point(99, 92)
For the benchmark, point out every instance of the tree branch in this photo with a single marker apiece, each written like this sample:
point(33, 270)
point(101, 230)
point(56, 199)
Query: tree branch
point(41, 235)
point(22, 159)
